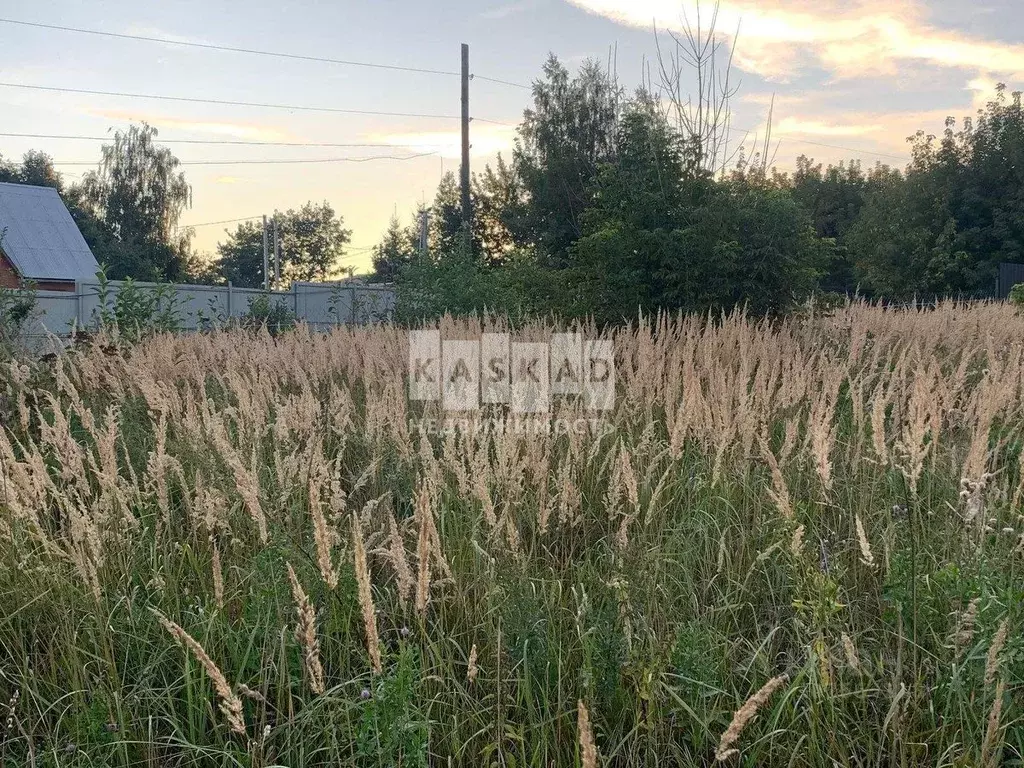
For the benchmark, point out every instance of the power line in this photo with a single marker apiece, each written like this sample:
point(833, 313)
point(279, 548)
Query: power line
point(492, 122)
point(788, 137)
point(227, 48)
point(502, 82)
point(227, 142)
point(276, 161)
point(193, 100)
point(224, 142)
point(214, 223)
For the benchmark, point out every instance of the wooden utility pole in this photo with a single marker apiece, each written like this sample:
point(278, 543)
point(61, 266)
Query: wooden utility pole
point(467, 212)
point(423, 244)
point(277, 255)
point(266, 257)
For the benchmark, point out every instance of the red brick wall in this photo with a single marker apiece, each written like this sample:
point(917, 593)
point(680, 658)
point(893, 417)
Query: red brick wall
point(9, 278)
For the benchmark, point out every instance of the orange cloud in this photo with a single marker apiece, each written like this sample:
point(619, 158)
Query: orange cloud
point(486, 140)
point(849, 38)
point(815, 127)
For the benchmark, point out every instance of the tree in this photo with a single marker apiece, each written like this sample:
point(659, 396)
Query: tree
point(955, 216)
point(446, 235)
point(37, 169)
point(637, 205)
point(563, 140)
point(834, 198)
point(393, 252)
point(138, 195)
point(240, 257)
point(661, 237)
point(694, 72)
point(499, 208)
point(312, 241)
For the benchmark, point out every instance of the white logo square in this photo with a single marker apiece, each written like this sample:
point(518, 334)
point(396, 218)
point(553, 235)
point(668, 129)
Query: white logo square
point(425, 365)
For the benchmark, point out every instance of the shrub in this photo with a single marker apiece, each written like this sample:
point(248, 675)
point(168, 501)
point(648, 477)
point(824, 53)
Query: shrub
point(264, 313)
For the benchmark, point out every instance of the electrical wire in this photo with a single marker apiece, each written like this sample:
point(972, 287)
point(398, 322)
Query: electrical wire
point(228, 48)
point(225, 142)
point(789, 137)
point(214, 223)
point(225, 102)
point(475, 76)
point(275, 161)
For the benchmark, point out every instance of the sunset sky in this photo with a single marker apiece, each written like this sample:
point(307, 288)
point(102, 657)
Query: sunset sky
point(861, 75)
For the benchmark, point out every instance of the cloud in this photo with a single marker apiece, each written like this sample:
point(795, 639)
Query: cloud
point(814, 127)
point(509, 9)
point(983, 88)
point(247, 131)
point(868, 136)
point(850, 39)
point(142, 30)
point(486, 140)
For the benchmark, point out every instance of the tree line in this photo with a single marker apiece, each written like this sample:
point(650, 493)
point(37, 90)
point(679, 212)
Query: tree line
point(613, 203)
point(129, 211)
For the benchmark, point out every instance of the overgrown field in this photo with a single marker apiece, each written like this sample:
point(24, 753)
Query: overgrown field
point(233, 550)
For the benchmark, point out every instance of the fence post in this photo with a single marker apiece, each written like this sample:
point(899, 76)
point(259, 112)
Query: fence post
point(352, 306)
point(79, 290)
point(230, 302)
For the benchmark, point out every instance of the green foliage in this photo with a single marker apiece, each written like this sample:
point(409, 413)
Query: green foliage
point(393, 252)
point(312, 242)
point(1017, 295)
point(240, 257)
point(522, 287)
point(608, 191)
point(134, 311)
point(393, 731)
point(137, 196)
point(17, 307)
point(958, 213)
point(266, 313)
point(834, 199)
point(564, 138)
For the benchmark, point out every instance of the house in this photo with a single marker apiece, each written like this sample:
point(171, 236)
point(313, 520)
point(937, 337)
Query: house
point(39, 241)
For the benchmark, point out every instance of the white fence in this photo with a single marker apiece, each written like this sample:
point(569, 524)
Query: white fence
point(199, 307)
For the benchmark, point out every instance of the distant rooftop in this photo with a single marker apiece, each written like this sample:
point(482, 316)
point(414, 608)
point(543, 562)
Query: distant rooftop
point(39, 236)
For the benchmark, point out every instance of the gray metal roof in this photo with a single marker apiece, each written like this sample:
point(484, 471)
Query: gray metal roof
point(41, 238)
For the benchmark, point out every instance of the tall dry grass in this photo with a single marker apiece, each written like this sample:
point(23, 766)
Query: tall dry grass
point(823, 510)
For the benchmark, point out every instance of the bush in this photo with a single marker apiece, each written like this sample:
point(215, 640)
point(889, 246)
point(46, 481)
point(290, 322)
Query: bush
point(1017, 295)
point(133, 311)
point(17, 307)
point(263, 313)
